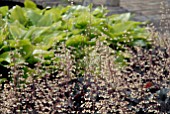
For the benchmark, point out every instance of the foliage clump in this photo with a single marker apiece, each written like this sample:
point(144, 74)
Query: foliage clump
point(29, 32)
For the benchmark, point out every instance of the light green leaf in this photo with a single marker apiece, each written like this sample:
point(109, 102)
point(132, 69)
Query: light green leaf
point(35, 32)
point(121, 28)
point(117, 18)
point(139, 43)
point(2, 38)
point(76, 40)
point(17, 30)
point(46, 20)
point(33, 16)
point(56, 16)
point(26, 50)
point(46, 54)
point(2, 80)
point(123, 17)
point(4, 10)
point(17, 13)
point(2, 22)
point(25, 47)
point(5, 57)
point(30, 4)
point(24, 42)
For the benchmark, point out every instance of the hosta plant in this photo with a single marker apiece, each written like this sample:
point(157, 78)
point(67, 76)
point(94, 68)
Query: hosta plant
point(29, 34)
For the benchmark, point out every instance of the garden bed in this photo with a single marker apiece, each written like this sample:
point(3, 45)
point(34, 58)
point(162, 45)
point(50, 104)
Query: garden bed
point(75, 60)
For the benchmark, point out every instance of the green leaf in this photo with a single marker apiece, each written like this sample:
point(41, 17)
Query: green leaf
point(30, 4)
point(2, 80)
point(76, 41)
point(24, 46)
point(5, 57)
point(120, 28)
point(24, 42)
point(82, 21)
point(4, 10)
point(26, 50)
point(1, 21)
point(123, 17)
point(35, 32)
point(2, 38)
point(99, 12)
point(139, 43)
point(17, 13)
point(56, 16)
point(17, 30)
point(45, 54)
point(90, 6)
point(46, 20)
point(33, 16)
point(32, 59)
point(117, 18)
point(18, 58)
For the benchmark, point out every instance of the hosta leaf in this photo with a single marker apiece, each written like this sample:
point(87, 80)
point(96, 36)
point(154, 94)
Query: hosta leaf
point(2, 38)
point(99, 12)
point(35, 32)
point(56, 16)
point(140, 43)
point(82, 21)
point(17, 13)
point(30, 4)
point(47, 42)
point(1, 21)
point(33, 59)
point(123, 17)
point(76, 41)
point(26, 50)
point(24, 42)
point(45, 54)
point(33, 16)
point(2, 80)
point(16, 30)
point(4, 10)
point(5, 57)
point(46, 20)
point(120, 28)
